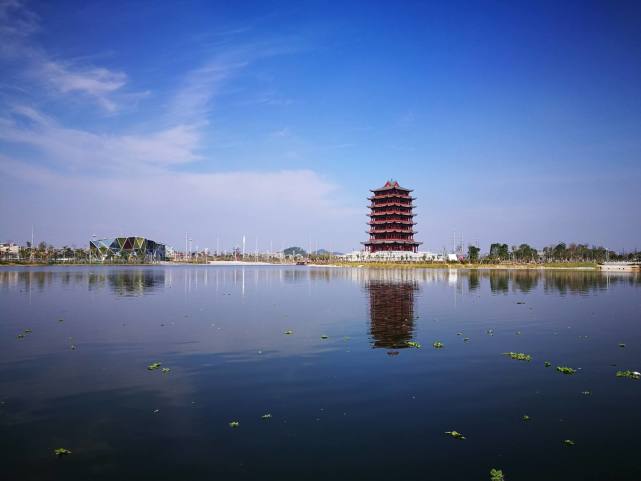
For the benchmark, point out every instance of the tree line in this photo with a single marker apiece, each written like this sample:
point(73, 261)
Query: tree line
point(561, 252)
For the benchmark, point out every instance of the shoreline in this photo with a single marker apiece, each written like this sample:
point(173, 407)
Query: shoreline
point(360, 265)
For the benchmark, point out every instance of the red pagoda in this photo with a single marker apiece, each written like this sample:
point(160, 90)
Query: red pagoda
point(391, 220)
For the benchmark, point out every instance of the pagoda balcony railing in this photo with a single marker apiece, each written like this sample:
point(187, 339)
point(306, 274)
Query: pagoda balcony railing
point(392, 221)
point(392, 204)
point(391, 241)
point(403, 239)
point(392, 212)
point(388, 231)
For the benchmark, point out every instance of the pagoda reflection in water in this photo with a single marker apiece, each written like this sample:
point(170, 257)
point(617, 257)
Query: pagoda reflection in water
point(391, 307)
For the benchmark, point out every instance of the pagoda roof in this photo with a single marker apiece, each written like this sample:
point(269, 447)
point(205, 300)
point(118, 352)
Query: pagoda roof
point(389, 185)
point(391, 196)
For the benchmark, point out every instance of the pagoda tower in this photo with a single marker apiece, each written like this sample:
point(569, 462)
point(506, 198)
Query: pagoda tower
point(391, 220)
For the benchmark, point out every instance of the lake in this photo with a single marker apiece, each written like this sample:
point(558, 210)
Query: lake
point(361, 404)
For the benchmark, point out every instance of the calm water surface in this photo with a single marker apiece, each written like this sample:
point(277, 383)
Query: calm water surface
point(360, 404)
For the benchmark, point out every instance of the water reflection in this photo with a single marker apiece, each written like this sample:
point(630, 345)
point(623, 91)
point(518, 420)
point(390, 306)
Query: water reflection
point(391, 310)
point(134, 281)
point(128, 282)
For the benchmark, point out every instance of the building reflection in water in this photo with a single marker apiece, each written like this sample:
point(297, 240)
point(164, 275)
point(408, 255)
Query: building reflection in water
point(129, 282)
point(391, 310)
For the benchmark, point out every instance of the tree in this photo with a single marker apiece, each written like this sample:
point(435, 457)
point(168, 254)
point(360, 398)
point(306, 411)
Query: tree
point(295, 251)
point(473, 253)
point(499, 251)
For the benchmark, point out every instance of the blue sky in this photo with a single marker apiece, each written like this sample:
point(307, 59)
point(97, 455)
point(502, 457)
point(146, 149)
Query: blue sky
point(511, 122)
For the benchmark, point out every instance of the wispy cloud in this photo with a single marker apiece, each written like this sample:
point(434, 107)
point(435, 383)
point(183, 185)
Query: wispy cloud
point(80, 150)
point(102, 86)
point(96, 82)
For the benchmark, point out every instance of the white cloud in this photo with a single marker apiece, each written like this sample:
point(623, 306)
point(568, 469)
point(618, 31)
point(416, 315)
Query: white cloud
point(96, 82)
point(88, 152)
point(284, 206)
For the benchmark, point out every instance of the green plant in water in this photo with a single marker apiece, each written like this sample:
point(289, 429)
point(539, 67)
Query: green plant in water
point(547, 363)
point(496, 475)
point(324, 336)
point(28, 331)
point(413, 344)
point(61, 452)
point(586, 393)
point(465, 339)
point(455, 434)
point(20, 336)
point(234, 424)
point(155, 365)
point(519, 356)
point(165, 370)
point(629, 374)
point(438, 345)
point(568, 442)
point(566, 370)
point(266, 416)
point(526, 417)
point(621, 344)
point(288, 332)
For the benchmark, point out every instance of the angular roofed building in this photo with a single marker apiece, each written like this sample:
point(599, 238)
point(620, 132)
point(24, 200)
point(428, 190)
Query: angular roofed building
point(127, 248)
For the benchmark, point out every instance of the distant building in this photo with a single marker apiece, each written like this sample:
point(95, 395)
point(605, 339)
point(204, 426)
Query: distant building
point(126, 248)
point(392, 256)
point(9, 251)
point(391, 220)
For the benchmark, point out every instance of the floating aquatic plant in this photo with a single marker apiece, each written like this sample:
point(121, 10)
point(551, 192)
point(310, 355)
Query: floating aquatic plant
point(289, 332)
point(61, 452)
point(490, 332)
point(28, 331)
point(234, 424)
point(526, 417)
point(496, 475)
point(547, 363)
point(266, 416)
point(455, 434)
point(465, 339)
point(438, 345)
point(324, 336)
point(155, 365)
point(413, 344)
point(20, 336)
point(565, 370)
point(519, 356)
point(586, 393)
point(621, 344)
point(629, 374)
point(568, 442)
point(520, 302)
point(165, 370)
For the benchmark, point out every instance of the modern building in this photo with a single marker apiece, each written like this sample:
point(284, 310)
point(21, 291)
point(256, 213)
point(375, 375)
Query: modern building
point(391, 220)
point(126, 248)
point(9, 251)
